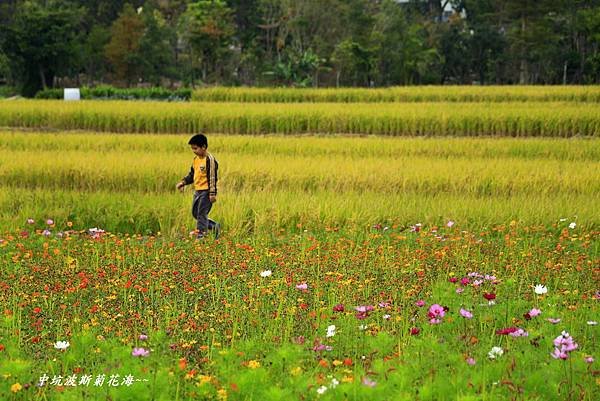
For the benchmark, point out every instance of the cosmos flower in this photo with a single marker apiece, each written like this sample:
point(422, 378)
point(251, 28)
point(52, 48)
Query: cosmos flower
point(466, 314)
point(266, 273)
point(420, 303)
point(321, 390)
point(519, 333)
point(30, 221)
point(302, 286)
point(331, 331)
point(140, 352)
point(553, 321)
point(540, 289)
point(61, 345)
point(49, 222)
point(572, 225)
point(449, 224)
point(470, 361)
point(338, 308)
point(368, 382)
point(495, 352)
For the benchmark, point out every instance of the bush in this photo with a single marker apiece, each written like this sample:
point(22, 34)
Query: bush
point(106, 92)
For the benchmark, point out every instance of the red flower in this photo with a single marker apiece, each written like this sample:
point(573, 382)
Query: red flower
point(489, 296)
point(37, 310)
point(506, 331)
point(453, 279)
point(414, 331)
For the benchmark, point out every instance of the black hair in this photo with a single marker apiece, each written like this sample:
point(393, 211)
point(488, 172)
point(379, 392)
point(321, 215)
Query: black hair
point(199, 140)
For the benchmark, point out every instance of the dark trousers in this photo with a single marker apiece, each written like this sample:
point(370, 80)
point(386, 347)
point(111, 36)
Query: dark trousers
point(201, 205)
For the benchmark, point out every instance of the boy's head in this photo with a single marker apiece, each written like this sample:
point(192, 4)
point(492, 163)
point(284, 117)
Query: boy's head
point(198, 143)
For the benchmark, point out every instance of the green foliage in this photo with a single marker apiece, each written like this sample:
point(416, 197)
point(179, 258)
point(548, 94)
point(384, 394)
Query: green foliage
point(106, 92)
point(41, 43)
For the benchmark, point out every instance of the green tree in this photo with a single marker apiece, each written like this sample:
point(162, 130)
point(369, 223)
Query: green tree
point(207, 30)
point(155, 51)
point(122, 50)
point(41, 43)
point(94, 63)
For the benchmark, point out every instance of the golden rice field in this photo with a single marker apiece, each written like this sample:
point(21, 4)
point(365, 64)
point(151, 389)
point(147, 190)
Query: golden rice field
point(402, 94)
point(125, 182)
point(517, 119)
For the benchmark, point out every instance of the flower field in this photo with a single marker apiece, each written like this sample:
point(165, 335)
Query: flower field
point(447, 250)
point(419, 313)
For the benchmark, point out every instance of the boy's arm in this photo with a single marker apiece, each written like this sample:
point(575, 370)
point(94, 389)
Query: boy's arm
point(188, 179)
point(213, 167)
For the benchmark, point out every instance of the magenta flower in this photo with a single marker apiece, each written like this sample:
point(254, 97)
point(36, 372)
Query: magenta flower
point(466, 314)
point(338, 308)
point(415, 331)
point(453, 279)
point(302, 286)
point(140, 352)
point(464, 281)
point(420, 303)
point(470, 361)
point(143, 337)
point(506, 331)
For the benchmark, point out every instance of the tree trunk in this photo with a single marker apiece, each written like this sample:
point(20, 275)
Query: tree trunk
point(523, 73)
point(42, 77)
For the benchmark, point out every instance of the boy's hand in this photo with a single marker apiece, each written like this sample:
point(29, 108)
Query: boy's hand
point(212, 198)
point(180, 185)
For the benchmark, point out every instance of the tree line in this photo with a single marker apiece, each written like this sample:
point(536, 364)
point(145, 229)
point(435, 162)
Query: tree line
point(298, 42)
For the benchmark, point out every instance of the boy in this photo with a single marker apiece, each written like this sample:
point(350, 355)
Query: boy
point(203, 175)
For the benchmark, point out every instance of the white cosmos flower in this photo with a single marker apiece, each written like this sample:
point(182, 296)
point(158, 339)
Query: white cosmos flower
point(266, 273)
point(495, 352)
point(540, 289)
point(572, 225)
point(61, 345)
point(322, 389)
point(592, 322)
point(331, 330)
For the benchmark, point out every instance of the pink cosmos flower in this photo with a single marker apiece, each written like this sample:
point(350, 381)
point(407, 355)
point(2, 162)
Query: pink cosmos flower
point(466, 314)
point(519, 333)
point(368, 382)
point(302, 286)
point(464, 281)
point(449, 224)
point(414, 331)
point(143, 337)
point(453, 279)
point(534, 312)
point(49, 222)
point(436, 310)
point(30, 221)
point(471, 361)
point(338, 308)
point(589, 359)
point(553, 321)
point(140, 352)
point(460, 290)
point(420, 303)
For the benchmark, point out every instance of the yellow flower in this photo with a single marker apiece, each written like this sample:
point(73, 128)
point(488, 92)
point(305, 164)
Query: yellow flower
point(347, 379)
point(222, 394)
point(253, 364)
point(202, 379)
point(16, 387)
point(296, 371)
point(337, 362)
